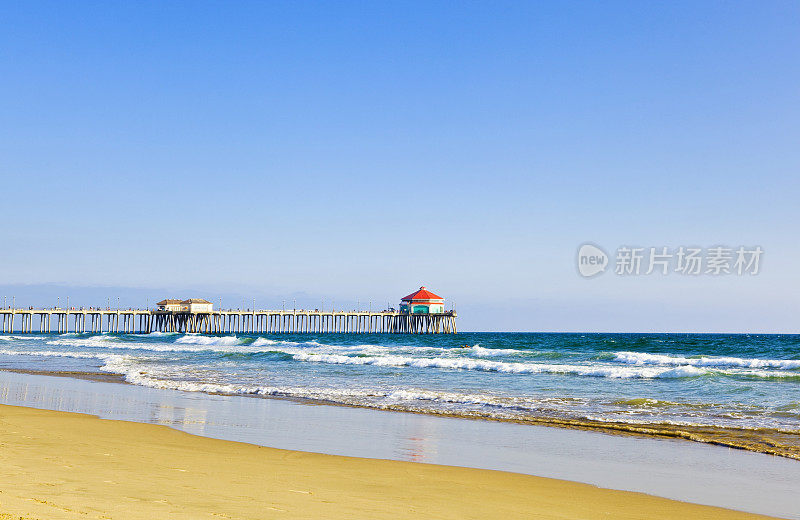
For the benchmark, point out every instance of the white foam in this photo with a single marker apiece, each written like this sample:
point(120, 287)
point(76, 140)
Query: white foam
point(49, 353)
point(196, 339)
point(458, 398)
point(261, 342)
point(165, 347)
point(479, 351)
point(166, 378)
point(642, 358)
point(499, 366)
point(91, 341)
point(106, 358)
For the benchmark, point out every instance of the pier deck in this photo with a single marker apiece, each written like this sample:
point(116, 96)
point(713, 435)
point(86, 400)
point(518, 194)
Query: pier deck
point(142, 321)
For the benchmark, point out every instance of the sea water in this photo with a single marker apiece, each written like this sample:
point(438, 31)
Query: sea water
point(730, 381)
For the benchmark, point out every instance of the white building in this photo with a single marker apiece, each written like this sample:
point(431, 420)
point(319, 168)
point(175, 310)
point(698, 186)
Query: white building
point(196, 305)
point(169, 305)
point(190, 305)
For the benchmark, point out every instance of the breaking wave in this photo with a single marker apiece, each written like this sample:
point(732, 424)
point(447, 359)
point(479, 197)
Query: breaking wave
point(499, 366)
point(208, 340)
point(51, 353)
point(92, 341)
point(641, 358)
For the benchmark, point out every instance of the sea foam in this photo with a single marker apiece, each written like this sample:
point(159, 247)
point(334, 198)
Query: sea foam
point(196, 339)
point(500, 366)
point(91, 341)
point(642, 358)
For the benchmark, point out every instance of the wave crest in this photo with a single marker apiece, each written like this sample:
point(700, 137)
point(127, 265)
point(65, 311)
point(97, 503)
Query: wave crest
point(643, 358)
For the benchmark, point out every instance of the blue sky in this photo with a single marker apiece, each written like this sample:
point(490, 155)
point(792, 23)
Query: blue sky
point(356, 150)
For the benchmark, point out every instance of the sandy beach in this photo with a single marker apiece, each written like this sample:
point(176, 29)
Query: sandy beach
point(64, 465)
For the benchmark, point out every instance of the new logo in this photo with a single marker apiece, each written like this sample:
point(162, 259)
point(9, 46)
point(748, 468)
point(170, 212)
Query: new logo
point(591, 260)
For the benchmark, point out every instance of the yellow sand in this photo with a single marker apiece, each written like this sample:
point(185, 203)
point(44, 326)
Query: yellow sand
point(56, 465)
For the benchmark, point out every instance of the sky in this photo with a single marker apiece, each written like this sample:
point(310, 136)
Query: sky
point(350, 152)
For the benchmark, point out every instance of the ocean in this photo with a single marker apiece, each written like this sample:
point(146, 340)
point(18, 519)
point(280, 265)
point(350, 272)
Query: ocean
point(749, 382)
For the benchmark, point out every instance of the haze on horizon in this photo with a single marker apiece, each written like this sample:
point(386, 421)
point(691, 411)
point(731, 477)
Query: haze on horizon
point(355, 151)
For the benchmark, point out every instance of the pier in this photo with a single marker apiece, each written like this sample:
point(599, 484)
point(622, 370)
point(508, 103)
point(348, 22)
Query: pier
point(421, 312)
point(297, 321)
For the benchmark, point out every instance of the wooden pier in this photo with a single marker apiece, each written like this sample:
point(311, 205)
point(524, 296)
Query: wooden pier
point(138, 321)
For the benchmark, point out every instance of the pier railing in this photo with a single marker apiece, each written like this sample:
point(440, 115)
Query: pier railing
point(142, 321)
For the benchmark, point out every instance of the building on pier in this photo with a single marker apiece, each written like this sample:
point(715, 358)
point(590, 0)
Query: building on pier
point(170, 304)
point(422, 301)
point(191, 305)
point(196, 305)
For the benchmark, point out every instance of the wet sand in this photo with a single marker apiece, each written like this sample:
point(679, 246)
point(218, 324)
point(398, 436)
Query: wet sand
point(63, 465)
point(764, 440)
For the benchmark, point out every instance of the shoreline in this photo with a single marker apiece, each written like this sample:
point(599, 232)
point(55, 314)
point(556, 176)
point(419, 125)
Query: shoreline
point(684, 471)
point(766, 441)
point(70, 464)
